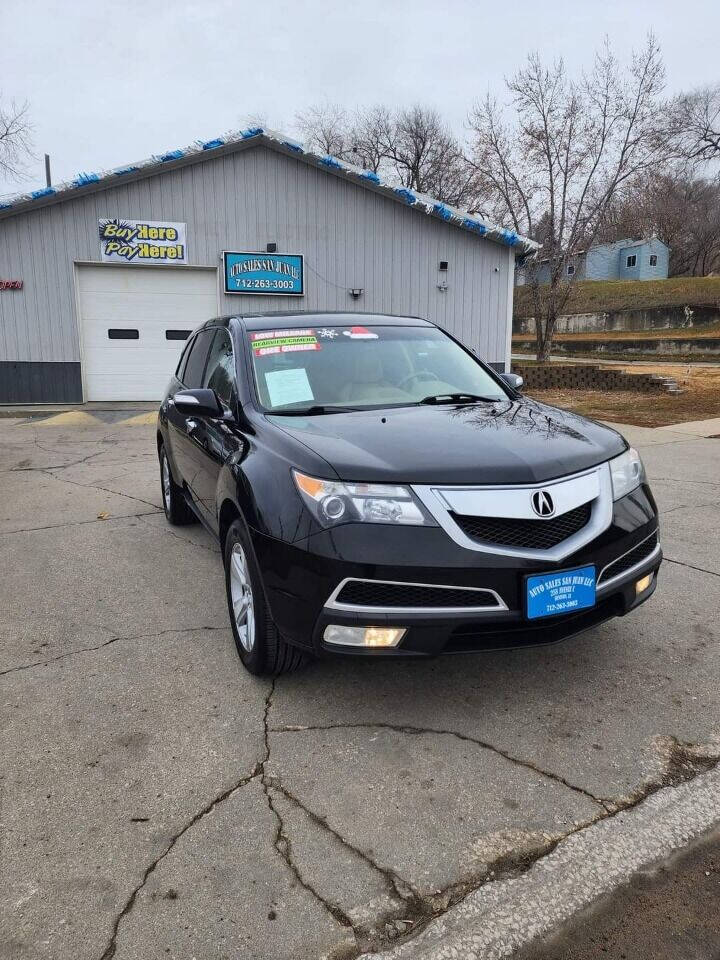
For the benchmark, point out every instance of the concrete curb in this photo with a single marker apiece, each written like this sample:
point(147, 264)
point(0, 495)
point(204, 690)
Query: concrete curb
point(499, 918)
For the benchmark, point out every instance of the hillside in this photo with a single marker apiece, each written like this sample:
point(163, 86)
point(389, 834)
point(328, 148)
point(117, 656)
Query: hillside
point(604, 296)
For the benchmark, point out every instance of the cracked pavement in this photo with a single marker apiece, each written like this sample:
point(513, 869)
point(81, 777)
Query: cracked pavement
point(156, 801)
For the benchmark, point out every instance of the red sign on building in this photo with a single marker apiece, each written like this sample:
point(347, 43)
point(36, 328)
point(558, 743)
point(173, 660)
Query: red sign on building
point(11, 284)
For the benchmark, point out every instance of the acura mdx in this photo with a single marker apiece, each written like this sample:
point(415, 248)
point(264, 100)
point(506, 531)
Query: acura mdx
point(377, 489)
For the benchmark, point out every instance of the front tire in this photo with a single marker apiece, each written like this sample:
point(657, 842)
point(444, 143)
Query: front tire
point(177, 512)
point(259, 645)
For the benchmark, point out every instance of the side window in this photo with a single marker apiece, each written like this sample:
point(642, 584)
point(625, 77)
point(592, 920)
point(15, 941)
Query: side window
point(220, 370)
point(180, 372)
point(195, 364)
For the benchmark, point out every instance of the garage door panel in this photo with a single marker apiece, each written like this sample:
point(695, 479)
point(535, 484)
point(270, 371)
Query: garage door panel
point(150, 335)
point(122, 279)
point(133, 309)
point(150, 301)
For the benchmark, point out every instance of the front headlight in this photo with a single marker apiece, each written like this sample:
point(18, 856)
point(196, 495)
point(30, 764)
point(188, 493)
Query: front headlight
point(332, 501)
point(627, 473)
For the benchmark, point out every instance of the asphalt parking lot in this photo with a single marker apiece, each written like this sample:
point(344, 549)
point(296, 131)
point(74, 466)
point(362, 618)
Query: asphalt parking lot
point(158, 802)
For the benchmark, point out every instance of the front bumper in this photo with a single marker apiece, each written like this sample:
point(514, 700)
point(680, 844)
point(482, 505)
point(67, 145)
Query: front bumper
point(301, 580)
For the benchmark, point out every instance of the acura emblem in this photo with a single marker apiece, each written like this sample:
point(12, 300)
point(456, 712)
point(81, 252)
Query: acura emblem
point(542, 503)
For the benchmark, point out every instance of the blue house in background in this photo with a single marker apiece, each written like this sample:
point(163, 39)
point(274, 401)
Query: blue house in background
point(623, 260)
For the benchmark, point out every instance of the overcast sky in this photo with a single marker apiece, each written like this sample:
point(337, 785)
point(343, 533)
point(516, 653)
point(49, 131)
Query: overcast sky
point(112, 83)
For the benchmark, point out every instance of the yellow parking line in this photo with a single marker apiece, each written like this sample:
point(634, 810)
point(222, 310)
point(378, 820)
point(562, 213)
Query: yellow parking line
point(71, 418)
point(140, 420)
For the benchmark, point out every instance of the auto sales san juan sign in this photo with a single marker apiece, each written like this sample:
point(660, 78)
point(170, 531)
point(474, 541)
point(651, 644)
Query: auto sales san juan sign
point(142, 241)
point(268, 273)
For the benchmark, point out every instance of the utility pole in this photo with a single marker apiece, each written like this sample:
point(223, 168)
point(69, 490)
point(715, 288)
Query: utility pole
point(48, 180)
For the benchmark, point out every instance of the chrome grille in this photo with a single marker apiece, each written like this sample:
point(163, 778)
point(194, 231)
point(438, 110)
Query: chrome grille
point(531, 534)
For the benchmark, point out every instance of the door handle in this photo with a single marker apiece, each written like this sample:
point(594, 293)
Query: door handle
point(194, 432)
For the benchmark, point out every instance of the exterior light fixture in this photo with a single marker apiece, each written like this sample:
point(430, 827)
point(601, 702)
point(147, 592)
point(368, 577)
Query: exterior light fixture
point(642, 585)
point(363, 636)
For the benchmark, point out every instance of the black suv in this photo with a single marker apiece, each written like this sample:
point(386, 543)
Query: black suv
point(378, 490)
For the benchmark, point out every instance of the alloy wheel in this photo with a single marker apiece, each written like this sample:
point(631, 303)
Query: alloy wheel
point(167, 490)
point(242, 597)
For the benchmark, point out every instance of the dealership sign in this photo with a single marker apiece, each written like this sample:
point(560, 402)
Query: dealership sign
point(142, 241)
point(268, 273)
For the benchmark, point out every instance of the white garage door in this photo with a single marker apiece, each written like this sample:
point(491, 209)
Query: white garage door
point(134, 322)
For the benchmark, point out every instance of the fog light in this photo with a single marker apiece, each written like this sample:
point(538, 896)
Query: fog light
point(364, 636)
point(642, 585)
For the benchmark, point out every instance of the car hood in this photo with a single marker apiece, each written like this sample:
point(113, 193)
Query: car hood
point(511, 441)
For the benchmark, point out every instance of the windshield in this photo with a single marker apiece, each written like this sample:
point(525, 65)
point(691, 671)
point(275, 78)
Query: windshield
point(356, 366)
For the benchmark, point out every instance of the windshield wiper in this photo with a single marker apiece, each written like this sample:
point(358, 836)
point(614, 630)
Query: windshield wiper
point(458, 398)
point(315, 410)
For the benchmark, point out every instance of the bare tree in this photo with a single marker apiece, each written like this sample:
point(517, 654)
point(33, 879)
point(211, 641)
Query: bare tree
point(693, 125)
point(325, 127)
point(411, 147)
point(682, 209)
point(425, 156)
point(15, 139)
point(368, 138)
point(553, 169)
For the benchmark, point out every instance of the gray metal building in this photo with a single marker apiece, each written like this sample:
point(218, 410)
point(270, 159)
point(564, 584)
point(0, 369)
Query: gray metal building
point(102, 278)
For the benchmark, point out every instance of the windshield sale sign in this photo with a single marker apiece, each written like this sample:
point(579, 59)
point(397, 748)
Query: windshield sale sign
point(274, 273)
point(142, 241)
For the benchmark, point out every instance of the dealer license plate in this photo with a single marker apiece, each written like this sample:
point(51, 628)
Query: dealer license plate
point(565, 591)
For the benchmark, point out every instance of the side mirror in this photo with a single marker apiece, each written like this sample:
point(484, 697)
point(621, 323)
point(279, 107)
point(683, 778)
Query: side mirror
point(513, 380)
point(198, 403)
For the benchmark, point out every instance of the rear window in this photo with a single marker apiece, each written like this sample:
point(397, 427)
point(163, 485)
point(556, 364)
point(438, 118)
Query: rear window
point(361, 366)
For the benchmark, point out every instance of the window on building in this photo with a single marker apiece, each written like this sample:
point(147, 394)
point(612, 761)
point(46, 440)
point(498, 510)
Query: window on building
point(631, 260)
point(653, 259)
point(123, 333)
point(177, 334)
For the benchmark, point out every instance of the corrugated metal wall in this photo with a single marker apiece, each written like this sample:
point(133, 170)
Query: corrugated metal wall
point(350, 236)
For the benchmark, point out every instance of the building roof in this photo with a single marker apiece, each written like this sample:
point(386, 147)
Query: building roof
point(623, 244)
point(235, 141)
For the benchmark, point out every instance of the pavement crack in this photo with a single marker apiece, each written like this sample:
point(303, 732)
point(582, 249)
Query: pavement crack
point(109, 951)
point(397, 885)
point(73, 463)
point(100, 646)
point(281, 840)
point(79, 523)
point(420, 731)
point(688, 506)
point(690, 566)
point(684, 482)
point(682, 762)
point(95, 486)
point(167, 529)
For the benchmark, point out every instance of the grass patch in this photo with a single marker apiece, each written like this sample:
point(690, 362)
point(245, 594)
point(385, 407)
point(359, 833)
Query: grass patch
point(700, 400)
point(604, 296)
